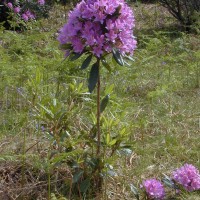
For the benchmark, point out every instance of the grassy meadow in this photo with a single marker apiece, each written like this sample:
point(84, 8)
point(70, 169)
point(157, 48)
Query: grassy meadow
point(156, 100)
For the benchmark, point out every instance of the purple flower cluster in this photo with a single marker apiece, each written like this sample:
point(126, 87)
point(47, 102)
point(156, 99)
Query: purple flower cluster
point(188, 176)
point(10, 5)
point(28, 15)
point(25, 15)
point(17, 9)
point(41, 2)
point(154, 189)
point(99, 26)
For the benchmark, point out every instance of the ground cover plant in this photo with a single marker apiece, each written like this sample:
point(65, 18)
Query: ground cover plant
point(46, 111)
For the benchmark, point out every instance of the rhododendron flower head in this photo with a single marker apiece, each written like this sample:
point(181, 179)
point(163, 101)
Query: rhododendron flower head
point(188, 176)
point(154, 189)
point(41, 2)
point(25, 17)
point(10, 5)
point(30, 14)
point(17, 9)
point(99, 26)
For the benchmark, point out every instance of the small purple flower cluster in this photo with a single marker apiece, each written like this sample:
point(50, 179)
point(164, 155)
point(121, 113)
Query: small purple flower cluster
point(188, 176)
point(154, 189)
point(99, 26)
point(28, 15)
point(41, 2)
point(25, 15)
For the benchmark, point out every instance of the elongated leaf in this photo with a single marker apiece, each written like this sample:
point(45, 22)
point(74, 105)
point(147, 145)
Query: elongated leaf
point(112, 142)
point(109, 89)
point(106, 65)
point(93, 78)
point(169, 182)
point(117, 11)
point(108, 138)
point(135, 191)
point(77, 176)
point(86, 62)
point(75, 56)
point(54, 102)
point(85, 185)
point(63, 156)
point(118, 57)
point(126, 63)
point(129, 58)
point(49, 112)
point(104, 103)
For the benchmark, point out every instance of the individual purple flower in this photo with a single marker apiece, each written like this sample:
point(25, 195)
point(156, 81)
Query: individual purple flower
point(99, 26)
point(41, 2)
point(154, 189)
point(17, 9)
point(10, 5)
point(188, 176)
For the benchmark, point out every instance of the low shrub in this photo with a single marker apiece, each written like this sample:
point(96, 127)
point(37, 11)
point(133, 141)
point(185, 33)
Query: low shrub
point(16, 14)
point(187, 12)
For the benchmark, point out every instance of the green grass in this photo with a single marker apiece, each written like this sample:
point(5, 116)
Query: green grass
point(156, 98)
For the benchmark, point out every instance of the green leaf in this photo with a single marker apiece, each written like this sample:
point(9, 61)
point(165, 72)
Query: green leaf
point(126, 63)
point(117, 12)
point(168, 182)
point(93, 132)
point(64, 156)
point(123, 132)
point(106, 65)
point(85, 185)
point(86, 62)
point(135, 191)
point(77, 176)
point(109, 89)
point(117, 56)
point(112, 142)
point(108, 138)
point(49, 112)
point(54, 102)
point(104, 103)
point(75, 56)
point(129, 58)
point(93, 78)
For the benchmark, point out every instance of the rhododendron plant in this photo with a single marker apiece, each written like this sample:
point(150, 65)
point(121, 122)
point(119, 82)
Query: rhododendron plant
point(188, 176)
point(22, 11)
point(97, 28)
point(154, 189)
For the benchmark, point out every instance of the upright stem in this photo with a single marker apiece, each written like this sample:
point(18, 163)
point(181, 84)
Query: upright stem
point(98, 110)
point(99, 178)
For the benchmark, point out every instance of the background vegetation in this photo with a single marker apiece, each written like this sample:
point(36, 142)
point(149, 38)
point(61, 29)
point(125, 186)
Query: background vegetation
point(155, 100)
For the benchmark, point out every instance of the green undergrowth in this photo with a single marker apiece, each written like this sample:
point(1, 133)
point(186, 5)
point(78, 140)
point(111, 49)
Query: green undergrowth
point(156, 98)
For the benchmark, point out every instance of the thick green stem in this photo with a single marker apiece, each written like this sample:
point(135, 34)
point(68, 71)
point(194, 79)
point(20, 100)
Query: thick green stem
point(98, 111)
